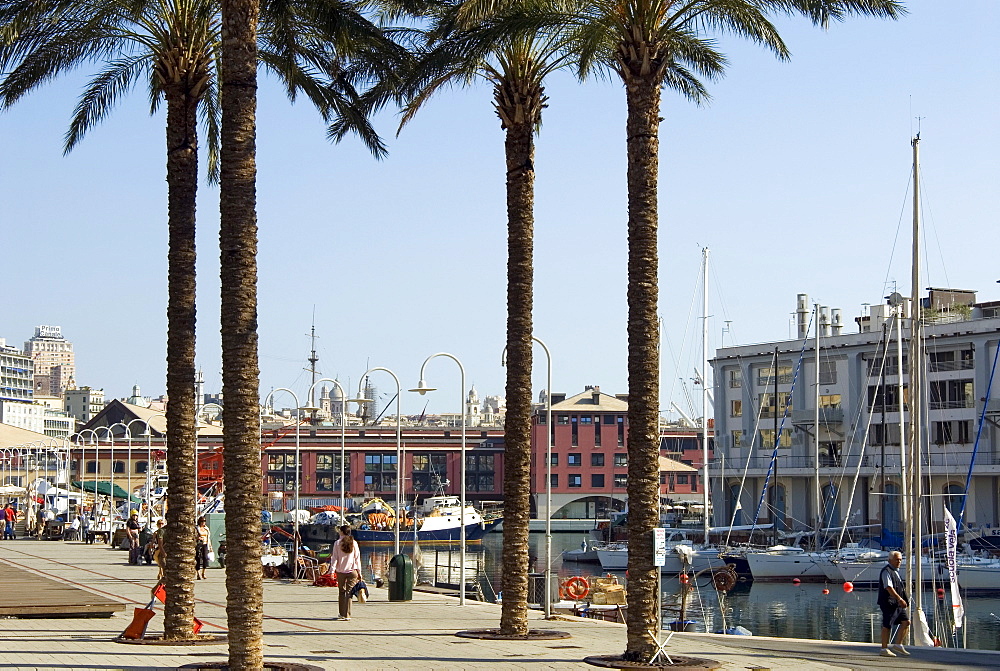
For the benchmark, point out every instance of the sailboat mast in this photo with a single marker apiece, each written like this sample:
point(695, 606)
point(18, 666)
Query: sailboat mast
point(704, 387)
point(816, 485)
point(916, 361)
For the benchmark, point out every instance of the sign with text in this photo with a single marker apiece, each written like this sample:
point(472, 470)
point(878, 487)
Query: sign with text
point(659, 546)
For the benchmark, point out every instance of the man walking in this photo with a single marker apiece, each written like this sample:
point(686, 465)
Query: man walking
point(892, 600)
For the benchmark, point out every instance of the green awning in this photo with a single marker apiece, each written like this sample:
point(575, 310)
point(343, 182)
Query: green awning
point(104, 488)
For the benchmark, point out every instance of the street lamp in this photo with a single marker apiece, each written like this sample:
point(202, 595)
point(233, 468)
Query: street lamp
point(149, 462)
point(548, 472)
point(343, 439)
point(111, 437)
point(400, 481)
point(128, 426)
point(422, 389)
point(94, 440)
point(298, 425)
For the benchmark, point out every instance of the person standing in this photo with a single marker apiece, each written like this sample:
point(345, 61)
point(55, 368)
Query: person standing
point(202, 543)
point(88, 537)
point(132, 528)
point(7, 517)
point(892, 599)
point(346, 563)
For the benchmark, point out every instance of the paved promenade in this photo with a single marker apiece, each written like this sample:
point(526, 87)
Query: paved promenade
point(380, 635)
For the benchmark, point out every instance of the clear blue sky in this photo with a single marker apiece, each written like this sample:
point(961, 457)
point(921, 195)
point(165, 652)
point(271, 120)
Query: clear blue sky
point(796, 176)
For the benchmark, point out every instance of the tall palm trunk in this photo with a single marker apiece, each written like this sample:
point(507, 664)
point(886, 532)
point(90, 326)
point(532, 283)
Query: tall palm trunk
point(240, 372)
point(520, 150)
point(182, 185)
point(643, 95)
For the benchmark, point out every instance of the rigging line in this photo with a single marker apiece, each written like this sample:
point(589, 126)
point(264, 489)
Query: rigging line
point(868, 424)
point(675, 357)
point(929, 219)
point(899, 224)
point(781, 426)
point(979, 433)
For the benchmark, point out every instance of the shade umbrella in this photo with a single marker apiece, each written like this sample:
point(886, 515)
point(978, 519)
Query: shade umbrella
point(104, 488)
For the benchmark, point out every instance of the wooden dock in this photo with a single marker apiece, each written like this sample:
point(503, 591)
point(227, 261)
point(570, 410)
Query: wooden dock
point(27, 594)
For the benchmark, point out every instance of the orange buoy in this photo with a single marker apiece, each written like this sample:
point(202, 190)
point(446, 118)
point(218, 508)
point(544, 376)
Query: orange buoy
point(940, 592)
point(796, 581)
point(683, 578)
point(848, 586)
point(826, 591)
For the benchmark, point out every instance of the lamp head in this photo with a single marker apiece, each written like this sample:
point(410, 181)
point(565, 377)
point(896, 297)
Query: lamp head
point(422, 387)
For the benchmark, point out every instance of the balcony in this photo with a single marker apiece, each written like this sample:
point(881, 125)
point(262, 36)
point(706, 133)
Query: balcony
point(826, 416)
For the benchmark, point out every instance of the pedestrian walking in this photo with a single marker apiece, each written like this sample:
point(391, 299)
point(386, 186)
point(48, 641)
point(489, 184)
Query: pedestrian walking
point(892, 600)
point(8, 515)
point(346, 563)
point(88, 537)
point(202, 544)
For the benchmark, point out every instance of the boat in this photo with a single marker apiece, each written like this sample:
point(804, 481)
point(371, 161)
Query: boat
point(784, 562)
point(587, 554)
point(437, 520)
point(979, 577)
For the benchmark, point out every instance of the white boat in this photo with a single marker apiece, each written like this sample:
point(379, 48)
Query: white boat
point(784, 562)
point(614, 557)
point(979, 576)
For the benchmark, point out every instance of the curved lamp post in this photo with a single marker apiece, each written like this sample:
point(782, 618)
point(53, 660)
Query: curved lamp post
point(94, 440)
point(343, 439)
point(400, 481)
point(149, 462)
point(111, 435)
point(422, 389)
point(548, 472)
point(131, 468)
point(298, 425)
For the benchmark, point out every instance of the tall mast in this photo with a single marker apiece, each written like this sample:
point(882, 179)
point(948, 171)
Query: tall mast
point(916, 361)
point(312, 361)
point(816, 485)
point(773, 493)
point(704, 385)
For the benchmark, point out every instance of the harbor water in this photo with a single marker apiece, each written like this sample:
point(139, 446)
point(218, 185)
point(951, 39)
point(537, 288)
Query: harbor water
point(766, 609)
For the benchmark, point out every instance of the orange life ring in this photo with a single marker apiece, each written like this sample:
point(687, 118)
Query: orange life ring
point(576, 587)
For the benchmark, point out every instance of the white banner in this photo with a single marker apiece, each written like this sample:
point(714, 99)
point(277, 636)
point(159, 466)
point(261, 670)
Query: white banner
point(951, 544)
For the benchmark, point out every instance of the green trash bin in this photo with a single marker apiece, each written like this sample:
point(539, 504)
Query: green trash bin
point(400, 578)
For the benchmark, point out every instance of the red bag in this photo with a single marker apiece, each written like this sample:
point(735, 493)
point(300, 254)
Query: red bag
point(325, 580)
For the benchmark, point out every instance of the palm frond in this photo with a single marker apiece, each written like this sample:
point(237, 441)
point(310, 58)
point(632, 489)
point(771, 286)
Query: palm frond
point(100, 95)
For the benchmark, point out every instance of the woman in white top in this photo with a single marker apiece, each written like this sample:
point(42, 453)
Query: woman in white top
point(346, 563)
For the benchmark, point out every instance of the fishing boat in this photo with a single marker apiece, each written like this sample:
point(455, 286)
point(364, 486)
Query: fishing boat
point(437, 520)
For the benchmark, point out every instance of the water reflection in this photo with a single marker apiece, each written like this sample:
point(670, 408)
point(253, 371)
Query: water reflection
point(766, 609)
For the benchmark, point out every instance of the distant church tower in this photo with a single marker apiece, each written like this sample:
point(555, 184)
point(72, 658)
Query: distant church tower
point(473, 416)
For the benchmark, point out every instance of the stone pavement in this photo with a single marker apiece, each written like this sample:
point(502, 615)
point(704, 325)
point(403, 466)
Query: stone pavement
point(418, 634)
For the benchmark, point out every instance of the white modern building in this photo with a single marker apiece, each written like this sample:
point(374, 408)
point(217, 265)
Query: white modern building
point(856, 441)
point(16, 374)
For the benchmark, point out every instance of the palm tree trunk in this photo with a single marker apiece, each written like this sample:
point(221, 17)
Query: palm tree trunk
point(182, 186)
point(643, 94)
point(519, 145)
point(240, 372)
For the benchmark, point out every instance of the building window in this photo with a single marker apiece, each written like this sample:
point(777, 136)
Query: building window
point(735, 379)
point(889, 395)
point(767, 405)
point(555, 459)
point(554, 479)
point(765, 376)
point(562, 419)
point(597, 459)
point(621, 479)
point(597, 480)
point(142, 467)
point(480, 472)
point(575, 480)
point(829, 401)
point(951, 394)
point(597, 430)
point(574, 459)
point(621, 429)
point(280, 472)
point(736, 408)
point(827, 371)
point(328, 472)
point(682, 478)
point(767, 438)
point(948, 361)
point(430, 470)
point(575, 431)
point(737, 438)
point(92, 467)
point(380, 472)
point(621, 460)
point(951, 432)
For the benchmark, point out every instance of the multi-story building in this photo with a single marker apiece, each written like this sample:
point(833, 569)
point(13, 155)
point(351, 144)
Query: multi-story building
point(16, 374)
point(83, 403)
point(855, 446)
point(590, 456)
point(55, 362)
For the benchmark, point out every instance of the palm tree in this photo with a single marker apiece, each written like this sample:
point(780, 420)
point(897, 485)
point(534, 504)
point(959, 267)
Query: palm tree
point(507, 51)
point(652, 44)
point(174, 45)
